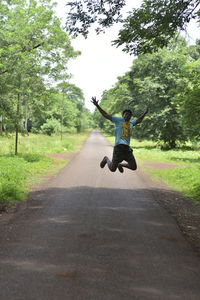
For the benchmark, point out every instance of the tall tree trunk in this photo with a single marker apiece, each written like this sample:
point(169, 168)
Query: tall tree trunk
point(26, 119)
point(1, 125)
point(17, 119)
point(61, 119)
point(17, 125)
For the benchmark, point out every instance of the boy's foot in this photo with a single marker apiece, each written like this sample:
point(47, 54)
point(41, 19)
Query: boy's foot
point(120, 169)
point(103, 162)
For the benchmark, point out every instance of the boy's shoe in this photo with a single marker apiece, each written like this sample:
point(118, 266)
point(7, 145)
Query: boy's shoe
point(103, 162)
point(120, 169)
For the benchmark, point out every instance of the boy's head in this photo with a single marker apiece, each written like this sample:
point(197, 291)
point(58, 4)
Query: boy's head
point(127, 114)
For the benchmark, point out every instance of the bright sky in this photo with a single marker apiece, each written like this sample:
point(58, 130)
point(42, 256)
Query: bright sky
point(99, 65)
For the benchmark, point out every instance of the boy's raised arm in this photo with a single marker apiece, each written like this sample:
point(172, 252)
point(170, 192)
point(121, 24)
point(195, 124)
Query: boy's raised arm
point(103, 112)
point(139, 120)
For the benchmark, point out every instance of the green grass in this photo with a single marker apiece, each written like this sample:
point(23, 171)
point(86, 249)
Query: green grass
point(19, 173)
point(185, 178)
point(42, 144)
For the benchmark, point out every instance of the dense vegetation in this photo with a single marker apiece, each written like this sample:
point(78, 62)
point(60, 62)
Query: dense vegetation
point(18, 173)
point(166, 81)
point(35, 93)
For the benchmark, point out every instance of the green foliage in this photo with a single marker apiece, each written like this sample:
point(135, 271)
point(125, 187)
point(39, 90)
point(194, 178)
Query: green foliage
point(184, 179)
point(30, 157)
point(168, 83)
point(82, 15)
point(50, 127)
point(40, 144)
point(35, 51)
point(18, 172)
point(13, 173)
point(154, 24)
point(146, 29)
point(189, 97)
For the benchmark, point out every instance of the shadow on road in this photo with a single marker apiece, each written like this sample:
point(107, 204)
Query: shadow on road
point(96, 243)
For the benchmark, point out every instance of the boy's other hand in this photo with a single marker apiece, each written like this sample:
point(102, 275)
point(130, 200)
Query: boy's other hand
point(94, 101)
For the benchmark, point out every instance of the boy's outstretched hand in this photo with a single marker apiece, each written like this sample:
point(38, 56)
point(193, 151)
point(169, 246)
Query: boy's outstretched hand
point(94, 101)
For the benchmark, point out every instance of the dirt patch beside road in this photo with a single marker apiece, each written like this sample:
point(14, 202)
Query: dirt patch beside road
point(185, 211)
point(64, 156)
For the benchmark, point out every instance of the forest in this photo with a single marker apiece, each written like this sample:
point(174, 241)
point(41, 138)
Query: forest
point(165, 74)
point(167, 82)
point(35, 90)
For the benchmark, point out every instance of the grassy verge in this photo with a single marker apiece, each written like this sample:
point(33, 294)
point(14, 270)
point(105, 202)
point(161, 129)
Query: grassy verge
point(18, 173)
point(185, 178)
point(43, 144)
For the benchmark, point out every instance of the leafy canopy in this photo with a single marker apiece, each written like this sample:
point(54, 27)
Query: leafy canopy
point(144, 30)
point(166, 81)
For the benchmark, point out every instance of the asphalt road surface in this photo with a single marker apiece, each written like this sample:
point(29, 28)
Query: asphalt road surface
point(90, 234)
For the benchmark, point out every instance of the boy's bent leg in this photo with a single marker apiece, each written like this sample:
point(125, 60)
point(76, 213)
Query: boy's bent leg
point(112, 166)
point(120, 168)
point(129, 166)
point(103, 162)
point(116, 159)
point(132, 165)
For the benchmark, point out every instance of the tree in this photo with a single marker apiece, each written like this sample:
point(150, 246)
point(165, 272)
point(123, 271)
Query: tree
point(146, 29)
point(32, 44)
point(155, 23)
point(168, 83)
point(84, 13)
point(71, 105)
point(189, 97)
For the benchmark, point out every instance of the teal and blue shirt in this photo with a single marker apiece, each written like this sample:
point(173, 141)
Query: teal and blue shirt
point(122, 130)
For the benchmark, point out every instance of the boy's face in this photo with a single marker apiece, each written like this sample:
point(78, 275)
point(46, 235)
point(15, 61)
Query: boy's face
point(127, 115)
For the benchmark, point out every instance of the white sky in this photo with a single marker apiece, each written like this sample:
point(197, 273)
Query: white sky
point(99, 64)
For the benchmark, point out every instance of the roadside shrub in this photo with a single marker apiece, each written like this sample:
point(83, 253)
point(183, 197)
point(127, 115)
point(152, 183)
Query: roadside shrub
point(29, 157)
point(9, 191)
point(51, 126)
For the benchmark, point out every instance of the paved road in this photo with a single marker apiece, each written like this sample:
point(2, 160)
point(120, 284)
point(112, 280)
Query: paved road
point(90, 234)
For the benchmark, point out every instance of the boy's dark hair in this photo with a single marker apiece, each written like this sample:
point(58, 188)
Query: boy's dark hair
point(127, 110)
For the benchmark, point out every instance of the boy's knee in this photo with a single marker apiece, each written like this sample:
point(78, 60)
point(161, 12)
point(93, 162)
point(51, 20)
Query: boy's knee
point(133, 167)
point(112, 167)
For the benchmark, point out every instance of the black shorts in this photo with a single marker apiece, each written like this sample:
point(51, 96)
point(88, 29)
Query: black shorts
point(122, 152)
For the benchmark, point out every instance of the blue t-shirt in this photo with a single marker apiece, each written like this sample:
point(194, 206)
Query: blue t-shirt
point(122, 130)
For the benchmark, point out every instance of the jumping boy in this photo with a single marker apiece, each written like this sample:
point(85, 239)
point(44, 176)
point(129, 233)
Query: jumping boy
point(122, 150)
